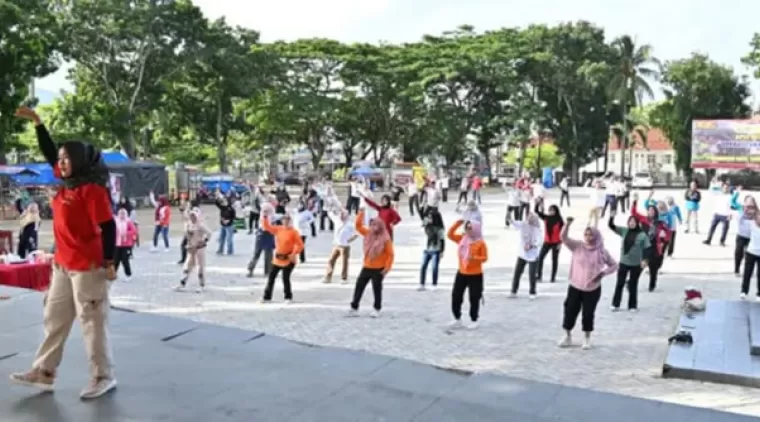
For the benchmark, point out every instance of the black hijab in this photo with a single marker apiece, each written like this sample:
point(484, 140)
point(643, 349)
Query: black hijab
point(87, 165)
point(552, 220)
point(385, 201)
point(126, 204)
point(630, 236)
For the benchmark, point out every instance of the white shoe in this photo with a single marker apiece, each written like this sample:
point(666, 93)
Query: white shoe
point(166, 249)
point(153, 249)
point(633, 310)
point(743, 296)
point(566, 341)
point(473, 325)
point(434, 288)
point(265, 301)
point(344, 282)
point(179, 288)
point(586, 344)
point(326, 280)
point(512, 296)
point(352, 313)
point(614, 308)
point(288, 301)
point(533, 296)
point(375, 313)
point(456, 324)
point(200, 289)
point(421, 288)
point(127, 279)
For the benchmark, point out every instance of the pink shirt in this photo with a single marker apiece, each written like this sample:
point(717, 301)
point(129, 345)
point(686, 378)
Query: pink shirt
point(588, 265)
point(125, 233)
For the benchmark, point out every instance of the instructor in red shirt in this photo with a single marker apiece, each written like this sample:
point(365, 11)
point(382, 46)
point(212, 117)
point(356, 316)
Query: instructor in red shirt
point(85, 241)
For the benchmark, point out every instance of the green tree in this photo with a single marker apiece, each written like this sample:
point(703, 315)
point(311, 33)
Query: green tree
point(124, 53)
point(697, 88)
point(29, 40)
point(634, 68)
point(536, 158)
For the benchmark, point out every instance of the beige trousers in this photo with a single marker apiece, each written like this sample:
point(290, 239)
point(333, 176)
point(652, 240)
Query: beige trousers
point(344, 252)
point(196, 257)
point(594, 215)
point(82, 294)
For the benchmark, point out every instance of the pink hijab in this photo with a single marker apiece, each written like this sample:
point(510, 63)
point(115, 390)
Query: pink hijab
point(375, 240)
point(468, 239)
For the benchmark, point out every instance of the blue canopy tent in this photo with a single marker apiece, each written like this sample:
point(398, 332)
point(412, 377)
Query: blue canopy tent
point(16, 171)
point(42, 173)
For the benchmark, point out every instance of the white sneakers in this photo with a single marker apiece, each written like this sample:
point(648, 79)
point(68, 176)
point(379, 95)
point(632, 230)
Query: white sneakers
point(615, 308)
point(353, 313)
point(420, 288)
point(567, 341)
point(743, 296)
point(375, 313)
point(458, 325)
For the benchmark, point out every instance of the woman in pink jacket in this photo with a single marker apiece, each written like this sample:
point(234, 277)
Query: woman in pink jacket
point(590, 262)
point(126, 234)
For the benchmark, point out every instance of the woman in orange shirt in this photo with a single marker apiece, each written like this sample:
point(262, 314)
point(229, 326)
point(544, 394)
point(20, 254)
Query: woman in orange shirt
point(472, 254)
point(288, 244)
point(378, 259)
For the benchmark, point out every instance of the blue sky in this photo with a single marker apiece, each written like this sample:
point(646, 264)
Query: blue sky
point(675, 28)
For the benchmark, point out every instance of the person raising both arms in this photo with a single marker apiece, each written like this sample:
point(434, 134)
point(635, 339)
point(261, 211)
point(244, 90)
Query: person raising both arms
point(84, 233)
point(385, 212)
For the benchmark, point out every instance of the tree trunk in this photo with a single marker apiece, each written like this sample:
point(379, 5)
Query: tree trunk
point(623, 142)
point(2, 151)
point(221, 149)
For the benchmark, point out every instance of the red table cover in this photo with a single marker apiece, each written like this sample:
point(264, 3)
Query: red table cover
point(28, 276)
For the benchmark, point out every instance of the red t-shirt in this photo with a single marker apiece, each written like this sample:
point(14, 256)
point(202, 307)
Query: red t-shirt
point(77, 215)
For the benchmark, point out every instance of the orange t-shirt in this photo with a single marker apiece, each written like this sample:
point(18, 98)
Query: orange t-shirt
point(287, 241)
point(478, 252)
point(383, 260)
point(78, 214)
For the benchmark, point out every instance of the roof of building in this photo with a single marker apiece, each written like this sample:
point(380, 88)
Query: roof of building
point(656, 141)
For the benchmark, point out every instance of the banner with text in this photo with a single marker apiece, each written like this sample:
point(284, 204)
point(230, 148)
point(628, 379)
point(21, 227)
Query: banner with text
point(730, 144)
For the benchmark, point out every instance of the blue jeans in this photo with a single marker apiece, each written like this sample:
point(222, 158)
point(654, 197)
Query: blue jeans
point(226, 235)
point(428, 256)
point(163, 232)
point(718, 219)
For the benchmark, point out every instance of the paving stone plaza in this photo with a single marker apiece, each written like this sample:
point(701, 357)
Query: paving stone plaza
point(516, 337)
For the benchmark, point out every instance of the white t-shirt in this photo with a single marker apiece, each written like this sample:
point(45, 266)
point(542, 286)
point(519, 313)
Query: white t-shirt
point(754, 239)
point(598, 197)
point(412, 189)
point(538, 190)
point(354, 189)
point(563, 184)
point(537, 233)
point(723, 204)
point(444, 182)
point(610, 188)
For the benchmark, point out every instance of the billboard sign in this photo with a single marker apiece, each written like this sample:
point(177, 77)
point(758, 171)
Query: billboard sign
point(729, 144)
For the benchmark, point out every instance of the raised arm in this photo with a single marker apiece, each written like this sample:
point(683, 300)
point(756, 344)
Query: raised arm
point(152, 198)
point(571, 244)
point(45, 142)
point(538, 211)
point(452, 234)
point(372, 204)
point(268, 227)
point(611, 224)
point(636, 214)
point(359, 224)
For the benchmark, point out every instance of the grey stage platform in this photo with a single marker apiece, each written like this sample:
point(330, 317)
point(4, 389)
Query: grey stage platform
point(726, 345)
point(177, 370)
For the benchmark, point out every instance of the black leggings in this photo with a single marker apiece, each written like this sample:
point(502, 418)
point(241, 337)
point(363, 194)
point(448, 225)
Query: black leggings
point(462, 197)
point(325, 216)
point(655, 263)
point(555, 260)
point(367, 275)
point(578, 301)
point(741, 247)
point(671, 243)
point(183, 250)
point(473, 283)
point(519, 268)
point(286, 272)
point(302, 255)
point(627, 274)
point(514, 211)
point(122, 256)
point(564, 196)
point(253, 221)
point(751, 265)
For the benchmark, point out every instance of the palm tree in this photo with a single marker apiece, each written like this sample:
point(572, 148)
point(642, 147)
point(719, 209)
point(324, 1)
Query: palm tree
point(634, 67)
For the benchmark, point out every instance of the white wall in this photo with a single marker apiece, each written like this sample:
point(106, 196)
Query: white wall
point(651, 161)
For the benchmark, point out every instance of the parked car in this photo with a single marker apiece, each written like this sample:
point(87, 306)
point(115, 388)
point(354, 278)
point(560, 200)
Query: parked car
point(642, 180)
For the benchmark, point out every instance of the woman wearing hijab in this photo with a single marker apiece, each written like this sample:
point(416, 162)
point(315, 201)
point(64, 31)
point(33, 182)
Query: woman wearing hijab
point(435, 233)
point(288, 245)
point(472, 253)
point(126, 204)
point(163, 215)
point(85, 238)
point(632, 261)
point(385, 212)
point(531, 242)
point(197, 235)
point(675, 220)
point(659, 236)
point(30, 227)
point(126, 232)
point(378, 260)
point(227, 225)
point(553, 224)
point(752, 257)
point(693, 197)
point(747, 213)
point(590, 263)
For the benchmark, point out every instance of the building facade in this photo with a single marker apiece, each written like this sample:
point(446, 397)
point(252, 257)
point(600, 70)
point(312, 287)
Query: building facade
point(656, 156)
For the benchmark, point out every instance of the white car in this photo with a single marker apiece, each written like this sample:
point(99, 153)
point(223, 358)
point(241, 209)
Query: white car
point(642, 180)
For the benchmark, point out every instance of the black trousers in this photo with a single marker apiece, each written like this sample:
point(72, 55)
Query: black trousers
point(445, 194)
point(325, 216)
point(121, 257)
point(268, 254)
point(655, 263)
point(739, 250)
point(26, 243)
point(751, 264)
point(671, 243)
point(473, 283)
point(629, 275)
point(367, 275)
point(352, 205)
point(286, 272)
point(519, 268)
point(414, 204)
point(554, 248)
point(183, 250)
point(524, 210)
point(302, 255)
point(564, 196)
point(462, 197)
point(622, 202)
point(253, 222)
point(580, 302)
point(514, 211)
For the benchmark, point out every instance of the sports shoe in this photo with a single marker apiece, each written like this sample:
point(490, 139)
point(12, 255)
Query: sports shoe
point(375, 313)
point(421, 288)
point(566, 341)
point(456, 324)
point(352, 313)
point(614, 308)
point(473, 325)
point(97, 388)
point(35, 378)
point(586, 344)
point(326, 280)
